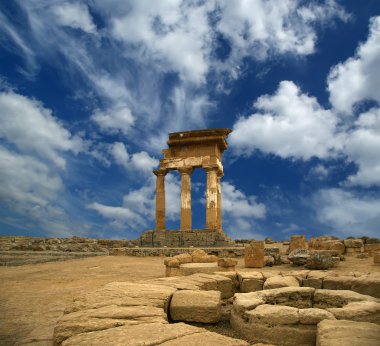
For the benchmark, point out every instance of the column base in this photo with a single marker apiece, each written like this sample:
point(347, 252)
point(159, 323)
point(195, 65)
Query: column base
point(185, 238)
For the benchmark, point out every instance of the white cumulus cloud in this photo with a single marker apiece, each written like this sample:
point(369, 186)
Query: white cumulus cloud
point(175, 35)
point(138, 206)
point(289, 124)
point(348, 212)
point(241, 212)
point(114, 120)
point(357, 78)
point(363, 147)
point(140, 161)
point(31, 140)
point(32, 128)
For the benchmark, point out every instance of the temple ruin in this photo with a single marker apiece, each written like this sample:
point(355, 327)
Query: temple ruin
point(187, 151)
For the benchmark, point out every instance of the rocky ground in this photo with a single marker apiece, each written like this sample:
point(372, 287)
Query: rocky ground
point(35, 295)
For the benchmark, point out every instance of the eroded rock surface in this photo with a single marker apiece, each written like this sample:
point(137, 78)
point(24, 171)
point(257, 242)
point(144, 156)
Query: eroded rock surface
point(289, 315)
point(196, 306)
point(338, 333)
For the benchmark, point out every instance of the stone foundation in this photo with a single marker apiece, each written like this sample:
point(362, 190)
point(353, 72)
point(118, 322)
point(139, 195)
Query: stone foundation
point(189, 238)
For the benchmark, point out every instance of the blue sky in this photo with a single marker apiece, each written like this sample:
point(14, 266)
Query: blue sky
point(89, 91)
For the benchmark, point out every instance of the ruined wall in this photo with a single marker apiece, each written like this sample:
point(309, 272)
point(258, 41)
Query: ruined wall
point(196, 238)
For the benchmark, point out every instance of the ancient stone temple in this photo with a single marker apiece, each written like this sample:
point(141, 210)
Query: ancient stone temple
point(187, 151)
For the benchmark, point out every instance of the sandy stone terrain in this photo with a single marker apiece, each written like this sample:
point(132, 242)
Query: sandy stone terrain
point(36, 295)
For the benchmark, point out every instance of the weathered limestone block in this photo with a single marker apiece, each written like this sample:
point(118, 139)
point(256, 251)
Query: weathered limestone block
point(367, 284)
point(327, 243)
point(223, 284)
point(273, 314)
point(314, 315)
point(284, 259)
point(172, 271)
point(278, 316)
point(196, 306)
point(285, 335)
point(193, 268)
point(319, 260)
point(172, 262)
point(314, 279)
point(364, 284)
point(185, 283)
point(205, 338)
point(232, 275)
point(280, 281)
point(269, 274)
point(338, 333)
point(200, 256)
point(364, 311)
point(250, 281)
point(107, 317)
point(324, 298)
point(125, 294)
point(353, 243)
point(274, 324)
point(298, 297)
point(372, 248)
point(338, 282)
point(144, 334)
point(269, 261)
point(227, 262)
point(297, 242)
point(376, 257)
point(246, 301)
point(299, 257)
point(184, 258)
point(300, 275)
point(254, 255)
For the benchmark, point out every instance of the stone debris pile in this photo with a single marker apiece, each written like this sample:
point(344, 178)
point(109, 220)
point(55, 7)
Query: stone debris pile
point(197, 262)
point(290, 315)
point(142, 313)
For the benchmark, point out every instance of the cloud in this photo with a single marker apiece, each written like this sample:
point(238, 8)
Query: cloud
point(26, 181)
point(319, 171)
point(31, 140)
point(144, 47)
point(138, 206)
point(241, 212)
point(262, 29)
point(356, 79)
point(363, 147)
point(18, 44)
point(174, 35)
point(293, 125)
point(32, 128)
point(140, 161)
point(237, 204)
point(289, 124)
point(117, 215)
point(74, 15)
point(348, 212)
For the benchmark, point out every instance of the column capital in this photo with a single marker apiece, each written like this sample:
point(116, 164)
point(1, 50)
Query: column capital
point(185, 170)
point(160, 172)
point(213, 168)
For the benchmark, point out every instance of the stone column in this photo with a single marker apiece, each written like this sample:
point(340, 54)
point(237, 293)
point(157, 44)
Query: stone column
point(186, 197)
point(211, 197)
point(219, 201)
point(160, 199)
